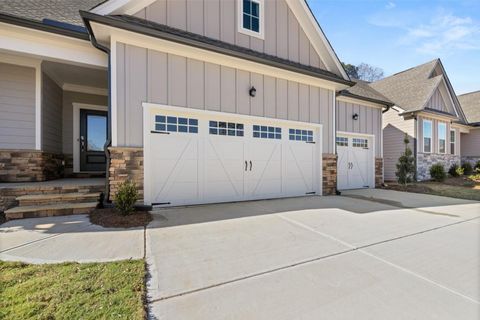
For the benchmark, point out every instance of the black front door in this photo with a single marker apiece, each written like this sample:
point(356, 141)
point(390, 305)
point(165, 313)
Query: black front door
point(93, 135)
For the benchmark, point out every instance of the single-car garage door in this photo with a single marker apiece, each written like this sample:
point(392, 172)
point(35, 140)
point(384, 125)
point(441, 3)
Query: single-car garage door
point(194, 157)
point(355, 163)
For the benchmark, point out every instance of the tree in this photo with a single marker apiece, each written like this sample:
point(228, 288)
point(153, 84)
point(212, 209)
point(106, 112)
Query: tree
point(369, 73)
point(406, 164)
point(351, 70)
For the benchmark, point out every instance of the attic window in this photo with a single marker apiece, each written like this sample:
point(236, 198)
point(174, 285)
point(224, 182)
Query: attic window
point(250, 21)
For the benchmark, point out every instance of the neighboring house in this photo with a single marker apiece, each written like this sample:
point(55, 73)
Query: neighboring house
point(196, 101)
point(470, 142)
point(427, 110)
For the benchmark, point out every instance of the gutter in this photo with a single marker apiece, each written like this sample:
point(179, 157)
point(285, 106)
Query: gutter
point(33, 24)
point(210, 44)
point(108, 143)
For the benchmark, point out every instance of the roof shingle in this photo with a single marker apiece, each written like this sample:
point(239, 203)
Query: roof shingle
point(470, 103)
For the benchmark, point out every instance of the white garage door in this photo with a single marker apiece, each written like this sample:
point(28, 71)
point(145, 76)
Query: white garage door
point(355, 164)
point(194, 157)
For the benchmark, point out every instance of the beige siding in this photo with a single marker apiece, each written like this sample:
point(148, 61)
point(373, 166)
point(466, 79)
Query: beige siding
point(369, 121)
point(217, 19)
point(67, 123)
point(394, 130)
point(17, 107)
point(51, 115)
point(219, 89)
point(470, 144)
point(437, 102)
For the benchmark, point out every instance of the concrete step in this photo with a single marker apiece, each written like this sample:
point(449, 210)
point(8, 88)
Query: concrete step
point(42, 199)
point(50, 210)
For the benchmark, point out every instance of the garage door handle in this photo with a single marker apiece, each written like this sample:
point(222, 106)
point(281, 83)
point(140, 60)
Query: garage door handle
point(246, 165)
point(250, 165)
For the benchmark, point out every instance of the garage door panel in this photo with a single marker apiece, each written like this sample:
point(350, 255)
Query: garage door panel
point(264, 174)
point(299, 168)
point(355, 162)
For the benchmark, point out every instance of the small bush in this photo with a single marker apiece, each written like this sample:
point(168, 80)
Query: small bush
point(126, 197)
point(460, 171)
point(453, 171)
point(437, 172)
point(406, 165)
point(477, 166)
point(467, 168)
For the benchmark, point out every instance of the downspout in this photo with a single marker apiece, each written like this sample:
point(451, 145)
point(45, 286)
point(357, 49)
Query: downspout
point(108, 143)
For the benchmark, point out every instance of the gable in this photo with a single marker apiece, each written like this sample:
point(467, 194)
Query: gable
point(440, 100)
point(289, 26)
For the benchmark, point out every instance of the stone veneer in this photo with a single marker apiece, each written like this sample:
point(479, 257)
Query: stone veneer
point(30, 165)
point(125, 163)
point(426, 160)
point(378, 172)
point(471, 160)
point(329, 163)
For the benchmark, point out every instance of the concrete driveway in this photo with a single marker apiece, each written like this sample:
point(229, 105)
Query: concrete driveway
point(369, 254)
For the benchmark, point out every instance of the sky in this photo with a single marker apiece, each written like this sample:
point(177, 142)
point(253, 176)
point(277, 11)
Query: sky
point(397, 35)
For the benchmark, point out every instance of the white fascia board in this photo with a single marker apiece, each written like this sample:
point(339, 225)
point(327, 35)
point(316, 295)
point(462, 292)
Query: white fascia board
point(121, 7)
point(113, 35)
point(85, 89)
point(49, 46)
point(316, 36)
point(360, 102)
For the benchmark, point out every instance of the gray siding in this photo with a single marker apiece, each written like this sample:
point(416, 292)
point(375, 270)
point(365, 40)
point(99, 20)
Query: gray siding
point(369, 121)
point(67, 123)
point(17, 107)
point(470, 144)
point(217, 19)
point(394, 130)
point(436, 102)
point(178, 81)
point(51, 115)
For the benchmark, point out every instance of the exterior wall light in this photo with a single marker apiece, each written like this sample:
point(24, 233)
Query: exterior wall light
point(252, 92)
point(355, 116)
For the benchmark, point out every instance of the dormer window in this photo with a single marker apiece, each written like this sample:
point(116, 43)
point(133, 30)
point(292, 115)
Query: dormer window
point(251, 15)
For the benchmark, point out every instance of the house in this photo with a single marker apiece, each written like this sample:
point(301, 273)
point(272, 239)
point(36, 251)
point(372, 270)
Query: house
point(426, 110)
point(470, 143)
point(195, 101)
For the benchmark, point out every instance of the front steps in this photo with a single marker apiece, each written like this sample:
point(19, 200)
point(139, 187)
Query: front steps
point(50, 210)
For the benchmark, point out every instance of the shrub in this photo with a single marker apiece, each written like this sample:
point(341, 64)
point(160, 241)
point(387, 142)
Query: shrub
point(477, 166)
point(126, 197)
point(406, 165)
point(460, 171)
point(467, 168)
point(437, 172)
point(453, 171)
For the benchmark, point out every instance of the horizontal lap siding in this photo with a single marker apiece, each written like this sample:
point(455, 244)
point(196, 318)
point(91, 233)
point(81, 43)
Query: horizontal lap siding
point(17, 107)
point(150, 76)
point(369, 121)
point(52, 109)
point(217, 19)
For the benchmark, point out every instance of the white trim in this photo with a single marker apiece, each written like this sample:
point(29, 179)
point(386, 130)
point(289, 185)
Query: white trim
point(438, 136)
point(113, 91)
point(361, 102)
point(121, 6)
point(334, 123)
point(76, 130)
point(454, 142)
point(139, 40)
point(85, 89)
point(423, 135)
point(261, 25)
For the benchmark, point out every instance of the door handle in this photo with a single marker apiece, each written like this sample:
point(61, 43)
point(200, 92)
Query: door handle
point(246, 165)
point(250, 165)
point(82, 143)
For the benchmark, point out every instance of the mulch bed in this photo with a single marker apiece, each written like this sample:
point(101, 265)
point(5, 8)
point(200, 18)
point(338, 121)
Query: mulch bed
point(111, 218)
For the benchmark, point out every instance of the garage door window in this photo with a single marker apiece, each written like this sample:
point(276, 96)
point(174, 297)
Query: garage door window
point(223, 128)
point(300, 135)
point(176, 124)
point(360, 143)
point(342, 141)
point(267, 132)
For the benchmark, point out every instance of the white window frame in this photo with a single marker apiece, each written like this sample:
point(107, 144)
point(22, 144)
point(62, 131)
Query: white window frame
point(445, 137)
point(261, 23)
point(453, 142)
point(423, 135)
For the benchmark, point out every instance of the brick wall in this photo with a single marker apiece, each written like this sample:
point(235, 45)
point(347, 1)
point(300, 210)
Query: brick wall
point(378, 172)
point(125, 163)
point(30, 165)
point(329, 162)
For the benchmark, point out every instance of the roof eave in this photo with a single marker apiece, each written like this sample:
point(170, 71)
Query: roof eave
point(355, 96)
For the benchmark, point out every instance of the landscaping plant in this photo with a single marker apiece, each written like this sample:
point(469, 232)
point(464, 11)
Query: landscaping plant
point(126, 197)
point(455, 170)
point(467, 168)
point(406, 165)
point(477, 166)
point(437, 172)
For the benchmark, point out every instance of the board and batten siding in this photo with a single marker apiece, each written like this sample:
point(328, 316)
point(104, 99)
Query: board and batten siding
point(17, 107)
point(51, 115)
point(438, 103)
point(470, 143)
point(394, 130)
point(218, 19)
point(369, 121)
point(145, 75)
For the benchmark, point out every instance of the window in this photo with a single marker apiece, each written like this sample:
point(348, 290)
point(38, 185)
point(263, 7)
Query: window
point(442, 137)
point(342, 141)
point(175, 124)
point(251, 17)
point(360, 143)
point(267, 132)
point(427, 136)
point(452, 141)
point(223, 128)
point(300, 135)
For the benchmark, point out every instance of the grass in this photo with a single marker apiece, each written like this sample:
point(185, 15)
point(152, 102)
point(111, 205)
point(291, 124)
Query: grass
point(112, 290)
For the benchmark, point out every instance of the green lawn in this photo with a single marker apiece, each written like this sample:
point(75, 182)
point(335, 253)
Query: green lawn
point(113, 290)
